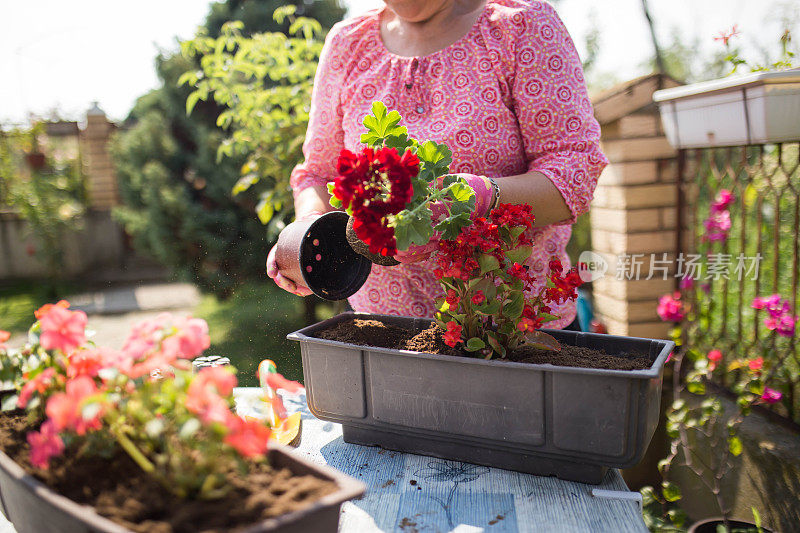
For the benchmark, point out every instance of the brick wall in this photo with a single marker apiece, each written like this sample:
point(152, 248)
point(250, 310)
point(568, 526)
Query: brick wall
point(633, 215)
point(101, 179)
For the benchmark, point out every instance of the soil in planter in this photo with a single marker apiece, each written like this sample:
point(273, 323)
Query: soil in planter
point(141, 504)
point(379, 334)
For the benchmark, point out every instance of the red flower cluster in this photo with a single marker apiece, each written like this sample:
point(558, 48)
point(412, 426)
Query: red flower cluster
point(564, 285)
point(491, 305)
point(372, 186)
point(457, 258)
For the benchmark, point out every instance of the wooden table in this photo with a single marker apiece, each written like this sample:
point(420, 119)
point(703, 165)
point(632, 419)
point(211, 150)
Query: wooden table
point(414, 493)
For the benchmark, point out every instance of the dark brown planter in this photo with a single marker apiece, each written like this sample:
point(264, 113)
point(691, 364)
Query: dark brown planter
point(33, 508)
point(709, 525)
point(316, 251)
point(573, 423)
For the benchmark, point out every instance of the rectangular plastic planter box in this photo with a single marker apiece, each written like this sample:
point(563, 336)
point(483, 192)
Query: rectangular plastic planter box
point(755, 109)
point(34, 508)
point(573, 423)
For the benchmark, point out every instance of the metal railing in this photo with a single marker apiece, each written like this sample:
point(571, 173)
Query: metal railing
point(758, 255)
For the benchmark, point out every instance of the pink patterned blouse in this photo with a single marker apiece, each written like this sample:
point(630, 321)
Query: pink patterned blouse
point(507, 98)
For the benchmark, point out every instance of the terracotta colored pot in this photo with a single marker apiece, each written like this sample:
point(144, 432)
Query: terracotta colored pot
point(315, 251)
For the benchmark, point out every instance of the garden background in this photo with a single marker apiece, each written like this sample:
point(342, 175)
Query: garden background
point(116, 173)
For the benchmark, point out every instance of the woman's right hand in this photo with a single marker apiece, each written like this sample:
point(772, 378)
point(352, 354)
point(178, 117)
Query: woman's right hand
point(297, 288)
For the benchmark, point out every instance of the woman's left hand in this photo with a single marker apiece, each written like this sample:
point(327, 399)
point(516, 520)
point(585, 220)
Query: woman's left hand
point(484, 197)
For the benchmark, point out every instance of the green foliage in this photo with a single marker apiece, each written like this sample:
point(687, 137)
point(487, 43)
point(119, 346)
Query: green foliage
point(264, 83)
point(177, 193)
point(415, 224)
point(51, 199)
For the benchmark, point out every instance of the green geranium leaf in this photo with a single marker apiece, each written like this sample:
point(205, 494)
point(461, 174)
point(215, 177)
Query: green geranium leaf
point(520, 254)
point(461, 192)
point(451, 226)
point(474, 344)
point(489, 307)
point(547, 317)
point(513, 308)
point(488, 263)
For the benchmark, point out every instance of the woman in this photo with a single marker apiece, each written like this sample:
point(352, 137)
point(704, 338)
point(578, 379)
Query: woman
point(498, 81)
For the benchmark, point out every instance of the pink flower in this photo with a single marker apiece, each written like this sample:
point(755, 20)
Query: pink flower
point(62, 329)
point(205, 395)
point(276, 381)
point(714, 357)
point(154, 345)
point(725, 36)
point(717, 226)
point(723, 200)
point(43, 381)
point(686, 283)
point(90, 362)
point(248, 437)
point(4, 336)
point(220, 378)
point(670, 308)
point(65, 409)
point(45, 444)
point(756, 364)
point(46, 308)
point(771, 396)
point(190, 338)
point(780, 319)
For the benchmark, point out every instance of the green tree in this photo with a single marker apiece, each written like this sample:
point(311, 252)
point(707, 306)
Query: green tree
point(177, 196)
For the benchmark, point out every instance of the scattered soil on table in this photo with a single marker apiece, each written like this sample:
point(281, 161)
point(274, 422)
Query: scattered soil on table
point(381, 335)
point(141, 504)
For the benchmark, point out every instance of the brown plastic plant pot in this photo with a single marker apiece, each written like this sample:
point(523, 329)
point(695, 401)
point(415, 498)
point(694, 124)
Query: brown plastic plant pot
point(316, 251)
point(34, 508)
point(573, 423)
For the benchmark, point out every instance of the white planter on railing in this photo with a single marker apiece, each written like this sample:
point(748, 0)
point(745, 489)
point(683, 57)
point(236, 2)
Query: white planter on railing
point(758, 108)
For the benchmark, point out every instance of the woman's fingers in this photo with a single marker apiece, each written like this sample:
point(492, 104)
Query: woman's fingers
point(272, 263)
point(282, 281)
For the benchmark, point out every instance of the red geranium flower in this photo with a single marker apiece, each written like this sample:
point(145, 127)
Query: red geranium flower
point(373, 185)
point(453, 335)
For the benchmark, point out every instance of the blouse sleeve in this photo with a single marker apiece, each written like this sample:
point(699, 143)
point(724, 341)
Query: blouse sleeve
point(325, 136)
point(560, 134)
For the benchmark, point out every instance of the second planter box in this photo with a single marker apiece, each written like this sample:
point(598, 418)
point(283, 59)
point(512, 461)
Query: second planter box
point(573, 423)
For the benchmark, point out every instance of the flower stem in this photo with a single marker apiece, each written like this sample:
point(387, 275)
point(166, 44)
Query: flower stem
point(134, 452)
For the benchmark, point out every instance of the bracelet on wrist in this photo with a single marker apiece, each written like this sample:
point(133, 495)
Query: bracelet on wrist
point(495, 195)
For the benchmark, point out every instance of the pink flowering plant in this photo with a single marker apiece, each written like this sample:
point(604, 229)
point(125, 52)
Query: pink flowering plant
point(698, 417)
point(144, 400)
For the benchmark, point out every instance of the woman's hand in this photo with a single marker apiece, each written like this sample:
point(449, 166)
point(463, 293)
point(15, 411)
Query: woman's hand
point(295, 287)
point(484, 197)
